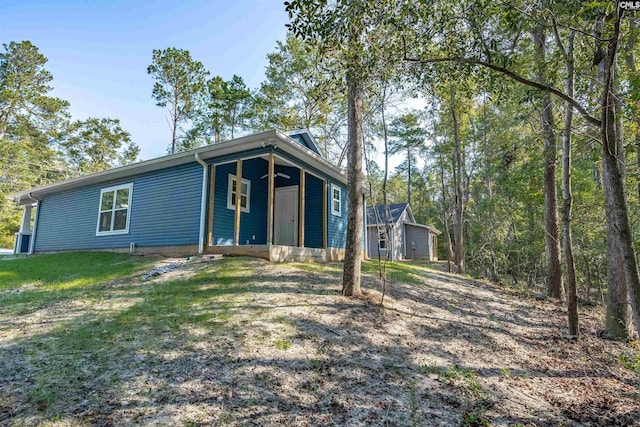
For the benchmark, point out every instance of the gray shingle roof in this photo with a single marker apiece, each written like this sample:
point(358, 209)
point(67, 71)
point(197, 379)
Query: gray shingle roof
point(395, 210)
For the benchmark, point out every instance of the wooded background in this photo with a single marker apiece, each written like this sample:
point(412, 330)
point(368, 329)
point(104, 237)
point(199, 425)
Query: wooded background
point(525, 156)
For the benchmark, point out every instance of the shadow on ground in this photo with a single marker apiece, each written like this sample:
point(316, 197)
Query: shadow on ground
point(245, 342)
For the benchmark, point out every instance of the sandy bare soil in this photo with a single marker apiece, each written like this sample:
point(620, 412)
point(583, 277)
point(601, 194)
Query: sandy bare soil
point(275, 344)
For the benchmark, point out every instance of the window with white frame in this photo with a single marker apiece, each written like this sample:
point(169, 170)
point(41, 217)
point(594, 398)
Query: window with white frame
point(114, 210)
point(232, 193)
point(336, 200)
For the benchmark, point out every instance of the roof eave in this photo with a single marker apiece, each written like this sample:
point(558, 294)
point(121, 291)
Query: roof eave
point(207, 152)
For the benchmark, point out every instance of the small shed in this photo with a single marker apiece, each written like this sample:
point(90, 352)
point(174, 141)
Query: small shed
point(406, 240)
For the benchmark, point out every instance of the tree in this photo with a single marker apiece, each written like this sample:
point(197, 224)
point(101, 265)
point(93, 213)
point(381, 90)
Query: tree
point(24, 84)
point(221, 107)
point(178, 80)
point(340, 30)
point(408, 136)
point(494, 45)
point(301, 90)
point(550, 152)
point(237, 101)
point(94, 145)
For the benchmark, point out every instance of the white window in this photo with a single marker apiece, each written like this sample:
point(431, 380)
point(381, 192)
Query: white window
point(336, 200)
point(245, 193)
point(114, 210)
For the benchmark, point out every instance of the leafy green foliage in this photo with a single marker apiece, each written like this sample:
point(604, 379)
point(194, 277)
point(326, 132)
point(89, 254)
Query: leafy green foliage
point(38, 144)
point(94, 145)
point(178, 81)
point(302, 90)
point(222, 109)
point(24, 84)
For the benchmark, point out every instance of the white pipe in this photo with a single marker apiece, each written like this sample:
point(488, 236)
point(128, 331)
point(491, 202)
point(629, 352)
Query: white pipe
point(203, 202)
point(32, 240)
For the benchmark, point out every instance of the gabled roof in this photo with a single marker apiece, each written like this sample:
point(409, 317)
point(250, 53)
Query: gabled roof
point(279, 140)
point(395, 212)
point(304, 137)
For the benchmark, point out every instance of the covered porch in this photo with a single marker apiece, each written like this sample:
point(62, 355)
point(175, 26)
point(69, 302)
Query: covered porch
point(277, 210)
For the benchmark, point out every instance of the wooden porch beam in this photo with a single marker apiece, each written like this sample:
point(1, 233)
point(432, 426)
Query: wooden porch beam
point(301, 204)
point(236, 226)
point(270, 199)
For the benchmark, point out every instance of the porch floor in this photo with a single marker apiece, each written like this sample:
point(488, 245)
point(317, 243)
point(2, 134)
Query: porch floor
point(279, 253)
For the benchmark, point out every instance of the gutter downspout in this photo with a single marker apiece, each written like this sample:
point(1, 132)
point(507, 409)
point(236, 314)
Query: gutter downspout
point(32, 241)
point(203, 202)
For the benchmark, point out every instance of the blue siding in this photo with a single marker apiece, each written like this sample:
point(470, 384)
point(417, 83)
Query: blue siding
point(305, 142)
point(165, 211)
point(313, 212)
point(253, 224)
point(223, 218)
point(293, 172)
point(337, 227)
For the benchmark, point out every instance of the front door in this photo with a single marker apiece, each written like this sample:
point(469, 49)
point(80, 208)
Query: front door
point(285, 216)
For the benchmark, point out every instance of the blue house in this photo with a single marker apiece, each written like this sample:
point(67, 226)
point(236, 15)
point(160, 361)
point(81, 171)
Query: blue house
point(270, 195)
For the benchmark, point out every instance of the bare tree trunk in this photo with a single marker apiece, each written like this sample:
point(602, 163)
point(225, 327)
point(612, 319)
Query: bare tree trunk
point(445, 220)
point(623, 302)
point(567, 195)
point(459, 199)
point(630, 61)
point(409, 176)
point(386, 213)
point(552, 238)
point(174, 132)
point(353, 249)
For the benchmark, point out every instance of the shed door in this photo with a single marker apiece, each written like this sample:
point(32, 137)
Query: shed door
point(285, 226)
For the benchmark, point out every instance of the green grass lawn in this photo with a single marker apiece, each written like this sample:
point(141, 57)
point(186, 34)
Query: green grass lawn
point(89, 320)
point(86, 339)
point(28, 283)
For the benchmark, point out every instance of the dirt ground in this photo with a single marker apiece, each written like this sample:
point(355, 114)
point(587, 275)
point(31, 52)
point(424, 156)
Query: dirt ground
point(287, 349)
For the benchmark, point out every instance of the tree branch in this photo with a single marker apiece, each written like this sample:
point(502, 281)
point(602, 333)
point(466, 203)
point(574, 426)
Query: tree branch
point(512, 75)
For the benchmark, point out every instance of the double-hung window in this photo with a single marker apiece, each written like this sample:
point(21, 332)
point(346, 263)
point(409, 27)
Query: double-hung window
point(336, 200)
point(114, 210)
point(232, 193)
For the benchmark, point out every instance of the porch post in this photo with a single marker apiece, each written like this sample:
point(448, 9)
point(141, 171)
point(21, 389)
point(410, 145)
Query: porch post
point(325, 224)
point(270, 199)
point(301, 205)
point(236, 226)
point(25, 226)
point(25, 230)
point(212, 191)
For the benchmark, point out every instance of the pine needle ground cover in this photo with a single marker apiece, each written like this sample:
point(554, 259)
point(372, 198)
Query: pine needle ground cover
point(92, 339)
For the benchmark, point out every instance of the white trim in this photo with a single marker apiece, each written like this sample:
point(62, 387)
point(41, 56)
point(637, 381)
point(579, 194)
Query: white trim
point(365, 231)
point(296, 212)
point(274, 138)
point(230, 204)
point(113, 209)
point(333, 211)
point(32, 240)
point(404, 239)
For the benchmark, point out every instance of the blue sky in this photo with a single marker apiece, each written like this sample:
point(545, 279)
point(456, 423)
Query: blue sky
point(99, 50)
